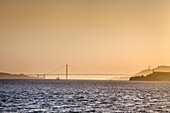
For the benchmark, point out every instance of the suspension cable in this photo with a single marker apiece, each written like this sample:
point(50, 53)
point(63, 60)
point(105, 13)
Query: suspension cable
point(55, 69)
point(81, 69)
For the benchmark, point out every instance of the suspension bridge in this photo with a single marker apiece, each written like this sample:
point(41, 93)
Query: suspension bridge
point(67, 73)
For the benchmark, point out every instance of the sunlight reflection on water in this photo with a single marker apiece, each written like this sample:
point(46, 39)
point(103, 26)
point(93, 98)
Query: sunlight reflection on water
point(83, 96)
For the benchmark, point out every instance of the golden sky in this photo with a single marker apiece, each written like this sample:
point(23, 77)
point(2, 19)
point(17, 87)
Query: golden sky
point(105, 36)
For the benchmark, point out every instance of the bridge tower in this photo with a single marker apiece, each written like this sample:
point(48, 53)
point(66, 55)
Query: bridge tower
point(66, 71)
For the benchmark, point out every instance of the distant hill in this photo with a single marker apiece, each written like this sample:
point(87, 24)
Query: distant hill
point(162, 69)
point(157, 69)
point(144, 72)
point(14, 76)
point(160, 73)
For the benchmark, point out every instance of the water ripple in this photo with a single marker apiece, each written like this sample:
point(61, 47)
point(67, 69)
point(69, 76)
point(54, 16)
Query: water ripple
point(40, 96)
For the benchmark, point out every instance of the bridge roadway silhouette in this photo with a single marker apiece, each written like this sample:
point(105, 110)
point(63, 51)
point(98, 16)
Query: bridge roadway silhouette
point(43, 76)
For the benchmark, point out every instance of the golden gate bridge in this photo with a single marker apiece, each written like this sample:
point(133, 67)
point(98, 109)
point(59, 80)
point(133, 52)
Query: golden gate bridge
point(67, 74)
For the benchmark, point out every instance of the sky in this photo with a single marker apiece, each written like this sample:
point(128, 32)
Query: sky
point(103, 36)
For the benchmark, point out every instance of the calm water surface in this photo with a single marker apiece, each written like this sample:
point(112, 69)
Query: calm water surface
point(65, 96)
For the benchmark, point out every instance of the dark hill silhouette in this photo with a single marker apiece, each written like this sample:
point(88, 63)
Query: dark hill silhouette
point(14, 76)
point(155, 76)
point(160, 73)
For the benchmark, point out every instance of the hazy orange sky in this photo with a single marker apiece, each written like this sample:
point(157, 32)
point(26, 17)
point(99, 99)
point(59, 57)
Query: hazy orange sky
point(107, 36)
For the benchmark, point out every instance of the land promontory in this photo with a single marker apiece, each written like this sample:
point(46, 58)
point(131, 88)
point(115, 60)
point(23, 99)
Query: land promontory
point(14, 76)
point(160, 73)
